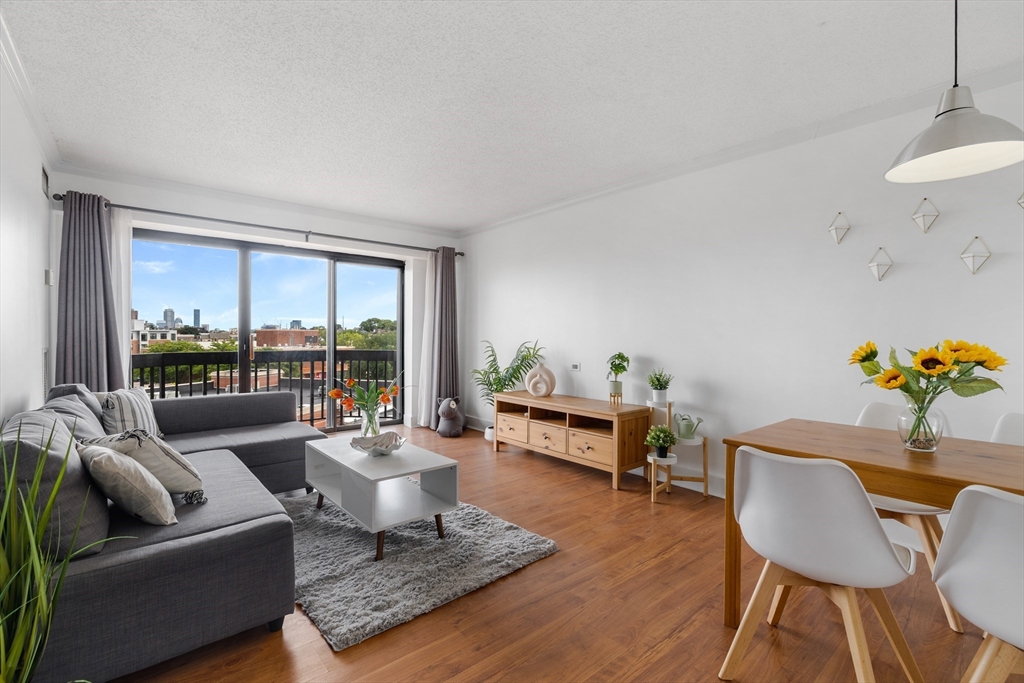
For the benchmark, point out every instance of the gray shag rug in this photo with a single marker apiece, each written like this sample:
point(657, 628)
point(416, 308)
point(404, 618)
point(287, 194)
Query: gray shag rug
point(351, 598)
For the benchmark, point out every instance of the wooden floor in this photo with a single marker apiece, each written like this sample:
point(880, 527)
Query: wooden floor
point(634, 593)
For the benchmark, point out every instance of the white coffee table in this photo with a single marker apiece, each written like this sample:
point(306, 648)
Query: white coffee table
point(376, 491)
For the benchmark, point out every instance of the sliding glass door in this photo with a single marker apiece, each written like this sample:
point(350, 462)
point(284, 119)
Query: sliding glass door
point(251, 317)
point(367, 335)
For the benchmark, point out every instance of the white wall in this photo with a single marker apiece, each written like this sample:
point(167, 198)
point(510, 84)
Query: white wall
point(729, 279)
point(24, 245)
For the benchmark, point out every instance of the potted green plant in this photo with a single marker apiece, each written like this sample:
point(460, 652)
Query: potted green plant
point(31, 572)
point(493, 379)
point(661, 438)
point(617, 365)
point(659, 380)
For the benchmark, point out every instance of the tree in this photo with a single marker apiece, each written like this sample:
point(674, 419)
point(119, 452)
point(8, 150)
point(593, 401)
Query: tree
point(189, 331)
point(378, 325)
point(179, 346)
point(225, 345)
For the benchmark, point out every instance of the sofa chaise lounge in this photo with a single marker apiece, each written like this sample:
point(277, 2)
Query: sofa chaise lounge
point(156, 592)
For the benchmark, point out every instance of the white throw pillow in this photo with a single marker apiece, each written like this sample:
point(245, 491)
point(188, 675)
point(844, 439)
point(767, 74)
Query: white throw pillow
point(127, 409)
point(129, 485)
point(169, 466)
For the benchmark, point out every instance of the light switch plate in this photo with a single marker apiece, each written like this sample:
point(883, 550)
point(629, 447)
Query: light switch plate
point(48, 278)
point(576, 367)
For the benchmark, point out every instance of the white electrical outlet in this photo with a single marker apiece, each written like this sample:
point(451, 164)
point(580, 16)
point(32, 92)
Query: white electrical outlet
point(48, 278)
point(576, 367)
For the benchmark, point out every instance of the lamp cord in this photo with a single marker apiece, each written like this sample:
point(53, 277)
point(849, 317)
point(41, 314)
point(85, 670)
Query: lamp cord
point(956, 35)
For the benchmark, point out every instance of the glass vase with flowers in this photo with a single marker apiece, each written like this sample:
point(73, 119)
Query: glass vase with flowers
point(371, 401)
point(933, 371)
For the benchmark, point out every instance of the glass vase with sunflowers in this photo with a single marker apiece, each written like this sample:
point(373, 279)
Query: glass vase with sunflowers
point(933, 371)
point(370, 402)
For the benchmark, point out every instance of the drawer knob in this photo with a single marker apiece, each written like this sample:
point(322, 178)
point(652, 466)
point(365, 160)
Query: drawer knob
point(588, 447)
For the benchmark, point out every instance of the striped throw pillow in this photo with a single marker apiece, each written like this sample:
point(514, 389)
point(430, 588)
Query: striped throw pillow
point(127, 409)
point(169, 466)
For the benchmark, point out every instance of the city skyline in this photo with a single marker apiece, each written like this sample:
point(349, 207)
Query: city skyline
point(284, 287)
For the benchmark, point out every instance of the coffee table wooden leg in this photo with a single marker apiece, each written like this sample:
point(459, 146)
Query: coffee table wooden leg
point(319, 501)
point(732, 545)
point(380, 547)
point(440, 526)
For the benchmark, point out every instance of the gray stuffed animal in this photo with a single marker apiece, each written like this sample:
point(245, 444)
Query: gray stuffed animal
point(451, 418)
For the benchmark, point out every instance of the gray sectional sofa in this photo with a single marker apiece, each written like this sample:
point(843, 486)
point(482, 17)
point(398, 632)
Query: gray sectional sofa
point(225, 567)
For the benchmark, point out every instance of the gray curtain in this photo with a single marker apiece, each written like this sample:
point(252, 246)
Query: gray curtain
point(445, 380)
point(87, 343)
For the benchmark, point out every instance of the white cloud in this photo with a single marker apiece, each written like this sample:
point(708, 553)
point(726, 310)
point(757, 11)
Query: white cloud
point(153, 267)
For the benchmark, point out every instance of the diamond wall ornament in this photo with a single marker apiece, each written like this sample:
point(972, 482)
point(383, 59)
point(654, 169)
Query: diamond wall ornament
point(925, 215)
point(1021, 201)
point(975, 254)
point(880, 264)
point(839, 227)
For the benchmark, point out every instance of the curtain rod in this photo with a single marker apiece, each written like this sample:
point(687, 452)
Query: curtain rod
point(296, 231)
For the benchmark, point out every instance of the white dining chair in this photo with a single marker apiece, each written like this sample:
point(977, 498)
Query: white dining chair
point(813, 523)
point(921, 518)
point(980, 569)
point(1009, 430)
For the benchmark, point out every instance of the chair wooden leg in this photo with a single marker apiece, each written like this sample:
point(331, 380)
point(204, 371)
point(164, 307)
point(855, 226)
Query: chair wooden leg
point(778, 604)
point(926, 531)
point(759, 602)
point(846, 599)
point(994, 662)
point(894, 634)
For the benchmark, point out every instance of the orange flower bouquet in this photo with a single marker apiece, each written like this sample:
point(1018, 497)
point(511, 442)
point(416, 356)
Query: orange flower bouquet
point(369, 402)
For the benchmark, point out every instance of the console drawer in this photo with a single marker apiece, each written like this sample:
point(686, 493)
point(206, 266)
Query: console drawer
point(547, 437)
point(512, 428)
point(590, 447)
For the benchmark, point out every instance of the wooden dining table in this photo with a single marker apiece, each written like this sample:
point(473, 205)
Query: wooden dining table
point(877, 456)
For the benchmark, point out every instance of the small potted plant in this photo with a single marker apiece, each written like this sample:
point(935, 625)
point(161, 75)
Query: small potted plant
point(661, 438)
point(659, 380)
point(617, 365)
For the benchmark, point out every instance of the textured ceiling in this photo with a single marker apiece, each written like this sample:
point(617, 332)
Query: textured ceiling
point(461, 114)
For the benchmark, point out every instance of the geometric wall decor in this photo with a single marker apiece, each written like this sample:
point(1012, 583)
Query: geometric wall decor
point(880, 264)
point(925, 215)
point(839, 227)
point(975, 254)
point(1021, 201)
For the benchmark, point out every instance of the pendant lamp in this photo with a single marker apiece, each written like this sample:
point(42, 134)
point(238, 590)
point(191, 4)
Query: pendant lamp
point(961, 141)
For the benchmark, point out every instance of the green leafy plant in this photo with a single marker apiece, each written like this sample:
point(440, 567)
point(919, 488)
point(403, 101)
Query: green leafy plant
point(659, 379)
point(31, 575)
point(617, 365)
point(493, 379)
point(660, 436)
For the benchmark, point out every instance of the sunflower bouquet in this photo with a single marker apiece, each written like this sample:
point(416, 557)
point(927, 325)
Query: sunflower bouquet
point(369, 401)
point(933, 371)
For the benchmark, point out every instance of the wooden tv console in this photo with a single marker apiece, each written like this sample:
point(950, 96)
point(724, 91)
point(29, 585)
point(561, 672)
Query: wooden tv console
point(592, 433)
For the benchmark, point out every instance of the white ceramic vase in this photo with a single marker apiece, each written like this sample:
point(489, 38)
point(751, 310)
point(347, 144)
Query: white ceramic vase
point(540, 381)
point(489, 433)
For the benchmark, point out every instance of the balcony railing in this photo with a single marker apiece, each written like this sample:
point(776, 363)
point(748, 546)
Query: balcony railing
point(302, 372)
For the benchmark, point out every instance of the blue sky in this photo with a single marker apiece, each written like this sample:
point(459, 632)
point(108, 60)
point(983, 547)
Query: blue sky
point(284, 287)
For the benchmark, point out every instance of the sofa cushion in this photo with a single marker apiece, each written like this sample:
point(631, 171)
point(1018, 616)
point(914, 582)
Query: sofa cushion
point(169, 466)
point(82, 392)
point(255, 446)
point(28, 434)
point(236, 496)
point(127, 409)
point(130, 485)
point(78, 417)
point(208, 413)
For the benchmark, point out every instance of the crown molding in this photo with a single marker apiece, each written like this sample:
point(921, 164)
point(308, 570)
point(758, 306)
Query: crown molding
point(989, 80)
point(246, 199)
point(15, 70)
